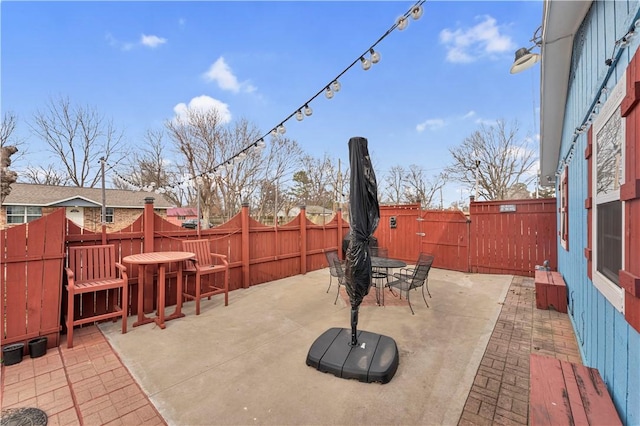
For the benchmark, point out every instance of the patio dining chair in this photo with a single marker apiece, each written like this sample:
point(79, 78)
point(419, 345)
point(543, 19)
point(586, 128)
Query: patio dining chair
point(422, 258)
point(411, 278)
point(205, 264)
point(340, 275)
point(332, 255)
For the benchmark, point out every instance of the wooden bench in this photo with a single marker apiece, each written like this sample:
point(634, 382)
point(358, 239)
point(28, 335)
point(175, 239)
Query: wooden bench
point(564, 393)
point(551, 291)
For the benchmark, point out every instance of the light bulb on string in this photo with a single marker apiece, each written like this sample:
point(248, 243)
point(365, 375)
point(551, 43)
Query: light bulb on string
point(401, 23)
point(274, 133)
point(261, 144)
point(336, 86)
point(281, 129)
point(328, 92)
point(366, 64)
point(307, 110)
point(416, 12)
point(299, 115)
point(375, 56)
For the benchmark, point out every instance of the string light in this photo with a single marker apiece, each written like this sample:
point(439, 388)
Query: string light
point(618, 48)
point(299, 113)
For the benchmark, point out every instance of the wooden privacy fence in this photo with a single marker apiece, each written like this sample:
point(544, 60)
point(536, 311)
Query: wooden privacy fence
point(31, 261)
point(501, 237)
point(492, 239)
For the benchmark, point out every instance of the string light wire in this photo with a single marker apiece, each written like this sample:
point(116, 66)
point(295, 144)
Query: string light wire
point(333, 86)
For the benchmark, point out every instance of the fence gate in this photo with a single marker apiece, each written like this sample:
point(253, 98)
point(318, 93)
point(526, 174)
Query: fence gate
point(445, 234)
point(513, 236)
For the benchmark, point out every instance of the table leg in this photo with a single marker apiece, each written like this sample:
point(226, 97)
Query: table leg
point(161, 298)
point(178, 311)
point(142, 319)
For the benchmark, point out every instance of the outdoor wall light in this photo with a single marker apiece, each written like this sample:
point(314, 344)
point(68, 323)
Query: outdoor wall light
point(525, 58)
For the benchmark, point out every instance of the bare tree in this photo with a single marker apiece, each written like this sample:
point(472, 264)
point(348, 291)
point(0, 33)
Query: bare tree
point(8, 136)
point(44, 176)
point(78, 137)
point(278, 162)
point(7, 177)
point(498, 156)
point(209, 151)
point(312, 183)
point(148, 167)
point(394, 185)
point(420, 189)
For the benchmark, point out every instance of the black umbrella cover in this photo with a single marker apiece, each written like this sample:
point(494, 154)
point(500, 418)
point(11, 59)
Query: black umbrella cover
point(364, 215)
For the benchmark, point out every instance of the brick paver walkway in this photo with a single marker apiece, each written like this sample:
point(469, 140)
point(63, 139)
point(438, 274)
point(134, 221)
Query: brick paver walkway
point(500, 391)
point(84, 385)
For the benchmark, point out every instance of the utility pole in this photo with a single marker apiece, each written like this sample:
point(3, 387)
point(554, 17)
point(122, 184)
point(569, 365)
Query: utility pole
point(103, 222)
point(477, 178)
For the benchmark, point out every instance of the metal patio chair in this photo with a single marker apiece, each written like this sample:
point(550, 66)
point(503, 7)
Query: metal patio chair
point(411, 278)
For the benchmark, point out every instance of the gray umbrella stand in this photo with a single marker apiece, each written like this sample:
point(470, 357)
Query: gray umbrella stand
point(349, 353)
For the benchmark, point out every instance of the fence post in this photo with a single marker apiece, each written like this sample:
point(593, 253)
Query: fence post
point(147, 233)
point(339, 236)
point(303, 239)
point(245, 244)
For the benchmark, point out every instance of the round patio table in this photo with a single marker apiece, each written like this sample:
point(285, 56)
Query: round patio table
point(385, 263)
point(160, 258)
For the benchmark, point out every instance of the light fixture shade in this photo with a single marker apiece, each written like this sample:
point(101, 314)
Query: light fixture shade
point(402, 23)
point(299, 115)
point(307, 110)
point(366, 64)
point(328, 93)
point(375, 56)
point(524, 60)
point(416, 12)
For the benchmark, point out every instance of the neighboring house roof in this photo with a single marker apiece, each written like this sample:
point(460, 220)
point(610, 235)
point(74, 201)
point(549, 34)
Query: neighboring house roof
point(26, 194)
point(182, 211)
point(561, 20)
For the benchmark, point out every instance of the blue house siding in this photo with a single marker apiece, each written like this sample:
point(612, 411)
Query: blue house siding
point(606, 340)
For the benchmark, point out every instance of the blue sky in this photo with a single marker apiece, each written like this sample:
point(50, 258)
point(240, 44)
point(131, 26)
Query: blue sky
point(140, 63)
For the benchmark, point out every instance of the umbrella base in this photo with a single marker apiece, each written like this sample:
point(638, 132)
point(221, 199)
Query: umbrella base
point(374, 359)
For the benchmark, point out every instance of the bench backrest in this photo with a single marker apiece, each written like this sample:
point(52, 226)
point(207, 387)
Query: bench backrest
point(93, 263)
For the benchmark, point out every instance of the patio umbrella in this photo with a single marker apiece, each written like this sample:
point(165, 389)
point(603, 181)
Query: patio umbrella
point(364, 215)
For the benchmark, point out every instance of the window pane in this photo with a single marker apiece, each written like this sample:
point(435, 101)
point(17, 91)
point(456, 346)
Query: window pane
point(34, 213)
point(109, 218)
point(609, 256)
point(15, 214)
point(609, 155)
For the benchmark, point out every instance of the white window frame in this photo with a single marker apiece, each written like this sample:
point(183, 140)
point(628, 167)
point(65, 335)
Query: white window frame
point(110, 214)
point(610, 290)
point(26, 215)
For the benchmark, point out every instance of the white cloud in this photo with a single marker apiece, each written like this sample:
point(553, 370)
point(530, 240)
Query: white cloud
point(468, 115)
point(482, 40)
point(152, 41)
point(220, 73)
point(203, 103)
point(431, 124)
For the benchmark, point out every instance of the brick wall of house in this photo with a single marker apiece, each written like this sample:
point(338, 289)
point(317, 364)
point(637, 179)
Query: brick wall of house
point(121, 217)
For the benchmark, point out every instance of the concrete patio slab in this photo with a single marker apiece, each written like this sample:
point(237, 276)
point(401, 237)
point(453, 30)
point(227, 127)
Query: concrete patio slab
point(245, 363)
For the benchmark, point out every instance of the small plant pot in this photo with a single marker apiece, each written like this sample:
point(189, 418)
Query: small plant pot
point(37, 347)
point(12, 354)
